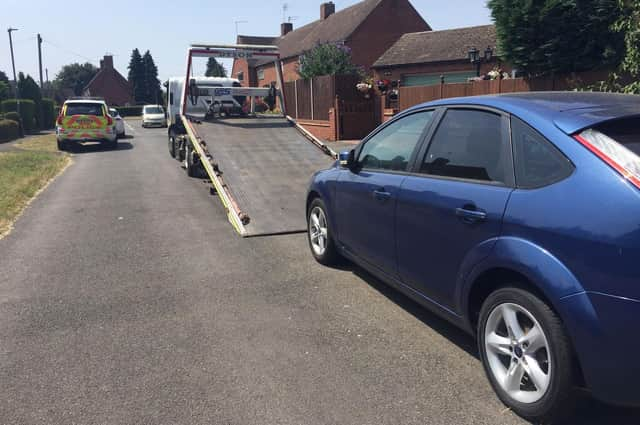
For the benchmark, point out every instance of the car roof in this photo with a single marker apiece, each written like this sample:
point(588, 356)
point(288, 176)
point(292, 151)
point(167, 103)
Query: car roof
point(569, 111)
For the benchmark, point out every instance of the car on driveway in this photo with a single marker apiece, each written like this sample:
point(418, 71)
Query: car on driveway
point(85, 120)
point(516, 217)
point(153, 116)
point(120, 131)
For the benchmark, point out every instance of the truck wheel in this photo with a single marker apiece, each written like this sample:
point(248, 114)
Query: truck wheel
point(172, 147)
point(192, 166)
point(526, 354)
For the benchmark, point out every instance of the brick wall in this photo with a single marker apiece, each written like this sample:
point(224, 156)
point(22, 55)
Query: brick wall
point(386, 24)
point(110, 85)
point(249, 74)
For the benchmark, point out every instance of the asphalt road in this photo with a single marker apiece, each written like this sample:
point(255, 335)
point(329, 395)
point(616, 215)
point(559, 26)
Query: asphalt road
point(126, 297)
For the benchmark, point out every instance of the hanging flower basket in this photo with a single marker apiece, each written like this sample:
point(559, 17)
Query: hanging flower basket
point(365, 89)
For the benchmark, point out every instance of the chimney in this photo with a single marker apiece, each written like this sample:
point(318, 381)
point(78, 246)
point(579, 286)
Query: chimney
point(107, 62)
point(327, 9)
point(286, 28)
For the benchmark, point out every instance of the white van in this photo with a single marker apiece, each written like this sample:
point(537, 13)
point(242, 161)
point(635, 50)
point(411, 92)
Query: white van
point(204, 106)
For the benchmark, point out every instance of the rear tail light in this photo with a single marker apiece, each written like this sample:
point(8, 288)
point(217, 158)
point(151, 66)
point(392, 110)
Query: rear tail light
point(59, 120)
point(621, 159)
point(109, 120)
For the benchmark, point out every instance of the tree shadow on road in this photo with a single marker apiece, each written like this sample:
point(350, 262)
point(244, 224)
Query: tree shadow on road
point(588, 411)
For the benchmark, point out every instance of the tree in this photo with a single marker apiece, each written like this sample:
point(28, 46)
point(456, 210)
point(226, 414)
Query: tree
point(153, 92)
point(4, 90)
point(215, 69)
point(550, 36)
point(629, 26)
point(29, 89)
point(3, 77)
point(136, 77)
point(75, 76)
point(326, 59)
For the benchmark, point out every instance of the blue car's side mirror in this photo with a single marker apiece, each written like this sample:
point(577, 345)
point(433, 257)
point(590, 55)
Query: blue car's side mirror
point(347, 158)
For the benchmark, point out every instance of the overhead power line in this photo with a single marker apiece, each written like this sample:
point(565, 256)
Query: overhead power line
point(69, 51)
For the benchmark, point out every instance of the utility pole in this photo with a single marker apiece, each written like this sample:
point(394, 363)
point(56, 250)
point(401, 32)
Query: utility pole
point(15, 79)
point(40, 59)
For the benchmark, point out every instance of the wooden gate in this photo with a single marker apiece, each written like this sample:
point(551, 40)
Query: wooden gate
point(356, 118)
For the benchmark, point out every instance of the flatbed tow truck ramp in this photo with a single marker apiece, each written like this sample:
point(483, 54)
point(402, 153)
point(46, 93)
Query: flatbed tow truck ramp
point(266, 164)
point(260, 166)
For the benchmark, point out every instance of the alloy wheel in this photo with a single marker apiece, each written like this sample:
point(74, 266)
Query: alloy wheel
point(318, 231)
point(518, 352)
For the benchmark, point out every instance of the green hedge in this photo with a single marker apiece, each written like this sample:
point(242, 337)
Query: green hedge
point(9, 130)
point(129, 111)
point(48, 114)
point(27, 111)
point(13, 116)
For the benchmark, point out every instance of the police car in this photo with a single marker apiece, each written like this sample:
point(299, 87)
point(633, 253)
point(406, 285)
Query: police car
point(85, 120)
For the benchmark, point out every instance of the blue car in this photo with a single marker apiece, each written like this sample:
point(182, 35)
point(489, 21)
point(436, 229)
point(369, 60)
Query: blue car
point(515, 217)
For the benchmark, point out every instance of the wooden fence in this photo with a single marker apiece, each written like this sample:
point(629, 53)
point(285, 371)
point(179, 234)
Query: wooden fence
point(410, 96)
point(313, 101)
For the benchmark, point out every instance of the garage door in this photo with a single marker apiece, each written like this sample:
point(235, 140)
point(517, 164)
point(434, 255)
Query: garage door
point(431, 79)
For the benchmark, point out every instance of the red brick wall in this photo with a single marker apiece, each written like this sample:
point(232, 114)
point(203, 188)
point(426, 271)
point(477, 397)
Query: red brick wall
point(386, 24)
point(323, 130)
point(290, 72)
point(109, 85)
point(434, 68)
point(241, 65)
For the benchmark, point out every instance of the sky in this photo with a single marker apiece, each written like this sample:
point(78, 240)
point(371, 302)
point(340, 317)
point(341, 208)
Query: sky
point(80, 31)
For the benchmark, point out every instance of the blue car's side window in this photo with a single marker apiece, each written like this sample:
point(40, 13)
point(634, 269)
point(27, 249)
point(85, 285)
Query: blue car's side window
point(393, 146)
point(469, 144)
point(537, 162)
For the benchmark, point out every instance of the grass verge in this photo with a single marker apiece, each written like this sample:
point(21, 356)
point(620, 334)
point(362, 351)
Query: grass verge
point(24, 172)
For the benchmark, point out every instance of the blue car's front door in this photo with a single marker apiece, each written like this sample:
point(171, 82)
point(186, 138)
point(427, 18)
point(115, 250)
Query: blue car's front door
point(366, 195)
point(449, 211)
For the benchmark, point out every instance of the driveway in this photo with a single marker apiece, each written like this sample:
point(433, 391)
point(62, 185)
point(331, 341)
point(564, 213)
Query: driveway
point(126, 297)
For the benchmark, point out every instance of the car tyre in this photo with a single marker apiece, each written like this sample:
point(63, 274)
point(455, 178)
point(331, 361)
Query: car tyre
point(61, 145)
point(520, 336)
point(320, 234)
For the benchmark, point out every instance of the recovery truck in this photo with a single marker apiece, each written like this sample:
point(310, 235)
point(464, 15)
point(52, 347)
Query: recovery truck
point(259, 166)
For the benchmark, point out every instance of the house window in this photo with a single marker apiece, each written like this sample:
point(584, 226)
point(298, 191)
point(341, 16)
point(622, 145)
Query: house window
point(240, 76)
point(431, 79)
point(261, 74)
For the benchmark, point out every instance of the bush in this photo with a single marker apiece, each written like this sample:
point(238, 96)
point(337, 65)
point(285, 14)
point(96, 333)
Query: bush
point(129, 111)
point(27, 111)
point(9, 130)
point(48, 113)
point(13, 116)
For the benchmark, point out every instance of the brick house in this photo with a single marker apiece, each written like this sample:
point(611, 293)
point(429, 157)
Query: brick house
point(369, 28)
point(110, 84)
point(421, 58)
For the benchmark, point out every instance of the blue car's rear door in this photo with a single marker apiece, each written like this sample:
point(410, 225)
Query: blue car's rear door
point(453, 203)
point(366, 195)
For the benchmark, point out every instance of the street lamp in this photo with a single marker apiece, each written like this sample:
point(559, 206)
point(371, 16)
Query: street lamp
point(474, 57)
point(15, 79)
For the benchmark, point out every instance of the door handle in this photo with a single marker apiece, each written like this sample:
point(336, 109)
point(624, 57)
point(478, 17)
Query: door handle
point(470, 215)
point(381, 194)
